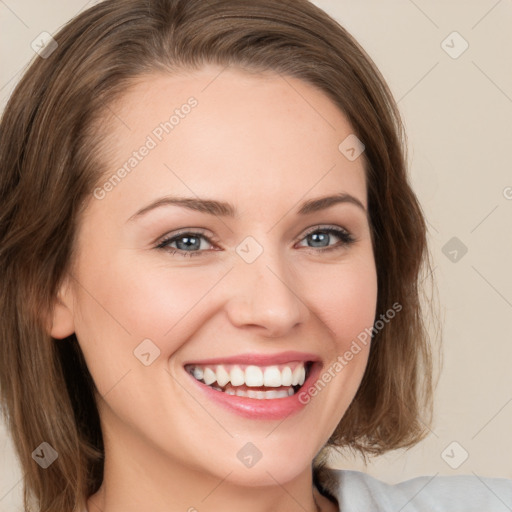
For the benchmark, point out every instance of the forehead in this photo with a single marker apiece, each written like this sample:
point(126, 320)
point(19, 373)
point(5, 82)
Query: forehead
point(226, 131)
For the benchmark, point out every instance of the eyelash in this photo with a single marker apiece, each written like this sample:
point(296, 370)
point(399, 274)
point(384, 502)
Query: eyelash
point(346, 240)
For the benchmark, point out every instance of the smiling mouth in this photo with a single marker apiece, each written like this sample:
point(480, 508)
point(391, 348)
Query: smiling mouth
point(251, 381)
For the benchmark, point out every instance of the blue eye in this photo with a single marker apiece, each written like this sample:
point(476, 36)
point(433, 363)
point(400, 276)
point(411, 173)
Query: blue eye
point(192, 240)
point(321, 235)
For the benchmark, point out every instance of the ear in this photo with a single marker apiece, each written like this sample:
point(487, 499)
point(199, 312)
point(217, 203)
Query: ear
point(62, 319)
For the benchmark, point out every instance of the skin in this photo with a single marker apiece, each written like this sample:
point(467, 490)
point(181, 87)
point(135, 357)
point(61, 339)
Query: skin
point(265, 144)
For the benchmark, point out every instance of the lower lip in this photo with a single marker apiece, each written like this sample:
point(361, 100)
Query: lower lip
point(253, 408)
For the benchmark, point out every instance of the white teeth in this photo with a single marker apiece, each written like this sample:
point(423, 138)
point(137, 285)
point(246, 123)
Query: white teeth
point(209, 376)
point(302, 376)
point(253, 376)
point(272, 377)
point(286, 377)
point(237, 376)
point(222, 376)
point(264, 395)
point(198, 373)
point(296, 376)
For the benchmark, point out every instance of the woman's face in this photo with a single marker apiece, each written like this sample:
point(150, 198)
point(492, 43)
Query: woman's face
point(256, 288)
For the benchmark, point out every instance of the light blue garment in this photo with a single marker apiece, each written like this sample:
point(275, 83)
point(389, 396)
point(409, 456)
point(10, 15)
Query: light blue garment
point(359, 492)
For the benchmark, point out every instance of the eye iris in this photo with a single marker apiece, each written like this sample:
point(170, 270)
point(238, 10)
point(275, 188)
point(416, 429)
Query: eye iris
point(189, 242)
point(319, 236)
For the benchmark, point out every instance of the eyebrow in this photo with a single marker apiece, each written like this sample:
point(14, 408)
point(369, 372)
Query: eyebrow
point(226, 209)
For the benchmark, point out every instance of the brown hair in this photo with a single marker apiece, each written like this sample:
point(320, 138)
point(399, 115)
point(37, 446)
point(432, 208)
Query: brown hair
point(51, 159)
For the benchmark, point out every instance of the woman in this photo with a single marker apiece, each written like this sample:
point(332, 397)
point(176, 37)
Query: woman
point(260, 139)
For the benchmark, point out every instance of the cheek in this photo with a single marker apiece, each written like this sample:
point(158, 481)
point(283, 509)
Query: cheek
point(347, 302)
point(135, 300)
point(166, 304)
point(347, 306)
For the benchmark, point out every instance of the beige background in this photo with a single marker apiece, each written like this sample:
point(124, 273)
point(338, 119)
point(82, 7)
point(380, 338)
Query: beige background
point(458, 114)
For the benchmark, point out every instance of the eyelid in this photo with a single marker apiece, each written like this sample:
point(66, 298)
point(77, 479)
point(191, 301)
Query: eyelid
point(165, 239)
point(320, 227)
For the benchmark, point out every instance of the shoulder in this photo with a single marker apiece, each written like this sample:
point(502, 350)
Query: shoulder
point(357, 491)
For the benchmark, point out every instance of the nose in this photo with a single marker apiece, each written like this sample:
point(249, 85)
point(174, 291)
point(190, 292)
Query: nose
point(264, 297)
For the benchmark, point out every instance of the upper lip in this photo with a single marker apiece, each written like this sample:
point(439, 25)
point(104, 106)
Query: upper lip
point(259, 359)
